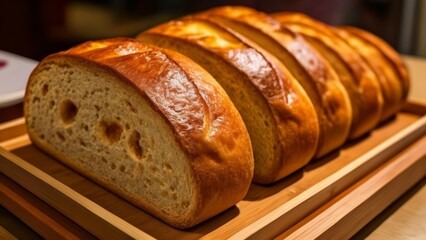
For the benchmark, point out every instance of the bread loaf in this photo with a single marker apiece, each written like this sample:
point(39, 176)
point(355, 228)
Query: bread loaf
point(279, 116)
point(146, 123)
point(358, 78)
point(319, 80)
point(386, 64)
point(157, 125)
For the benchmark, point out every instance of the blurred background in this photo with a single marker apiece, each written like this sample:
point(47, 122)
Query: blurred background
point(36, 28)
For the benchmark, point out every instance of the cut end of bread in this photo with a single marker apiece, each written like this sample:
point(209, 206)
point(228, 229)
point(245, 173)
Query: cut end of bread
point(147, 123)
point(101, 126)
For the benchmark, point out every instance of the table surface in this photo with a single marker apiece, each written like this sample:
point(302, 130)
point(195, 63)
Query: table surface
point(404, 219)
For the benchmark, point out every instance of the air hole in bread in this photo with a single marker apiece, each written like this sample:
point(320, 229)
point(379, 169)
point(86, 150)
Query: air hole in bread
point(130, 106)
point(123, 168)
point(60, 136)
point(167, 167)
point(104, 160)
point(46, 68)
point(185, 204)
point(113, 166)
point(42, 136)
point(44, 89)
point(110, 131)
point(85, 127)
point(134, 145)
point(36, 99)
point(82, 143)
point(51, 103)
point(174, 196)
point(64, 65)
point(69, 131)
point(266, 123)
point(68, 111)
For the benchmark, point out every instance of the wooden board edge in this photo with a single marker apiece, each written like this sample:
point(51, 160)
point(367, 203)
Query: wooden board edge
point(293, 211)
point(97, 220)
point(16, 142)
point(348, 212)
point(12, 129)
point(415, 108)
point(12, 123)
point(5, 235)
point(42, 218)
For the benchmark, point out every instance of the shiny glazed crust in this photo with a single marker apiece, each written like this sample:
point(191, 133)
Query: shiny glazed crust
point(390, 53)
point(392, 85)
point(295, 117)
point(205, 123)
point(328, 95)
point(363, 86)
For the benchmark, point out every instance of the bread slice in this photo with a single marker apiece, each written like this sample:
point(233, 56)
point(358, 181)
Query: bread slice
point(318, 78)
point(279, 116)
point(392, 86)
point(146, 123)
point(385, 62)
point(358, 78)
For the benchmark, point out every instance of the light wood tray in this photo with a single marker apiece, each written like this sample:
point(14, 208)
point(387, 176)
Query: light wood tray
point(288, 207)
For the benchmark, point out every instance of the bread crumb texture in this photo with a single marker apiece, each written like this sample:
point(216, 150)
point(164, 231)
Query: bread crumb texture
point(105, 128)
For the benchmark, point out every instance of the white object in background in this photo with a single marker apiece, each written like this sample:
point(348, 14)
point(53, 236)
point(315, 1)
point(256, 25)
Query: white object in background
point(14, 73)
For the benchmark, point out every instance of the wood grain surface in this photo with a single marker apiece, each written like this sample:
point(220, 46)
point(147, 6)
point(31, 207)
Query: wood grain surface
point(5, 235)
point(405, 219)
point(266, 210)
point(12, 129)
point(50, 224)
point(345, 215)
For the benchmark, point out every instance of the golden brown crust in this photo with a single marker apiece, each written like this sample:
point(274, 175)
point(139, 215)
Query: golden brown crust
point(391, 85)
point(320, 80)
point(390, 53)
point(289, 105)
point(197, 109)
point(364, 88)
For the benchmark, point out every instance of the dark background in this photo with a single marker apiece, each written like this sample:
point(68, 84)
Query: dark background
point(36, 28)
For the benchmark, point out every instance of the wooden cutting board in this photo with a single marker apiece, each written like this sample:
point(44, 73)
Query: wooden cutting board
point(266, 211)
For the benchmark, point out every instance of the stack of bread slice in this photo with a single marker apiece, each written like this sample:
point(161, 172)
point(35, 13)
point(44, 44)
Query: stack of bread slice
point(320, 81)
point(181, 120)
point(278, 113)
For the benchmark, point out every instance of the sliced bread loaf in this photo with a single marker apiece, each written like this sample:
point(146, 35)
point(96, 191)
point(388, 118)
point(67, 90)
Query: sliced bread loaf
point(358, 78)
point(146, 123)
point(279, 116)
point(315, 74)
point(387, 75)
